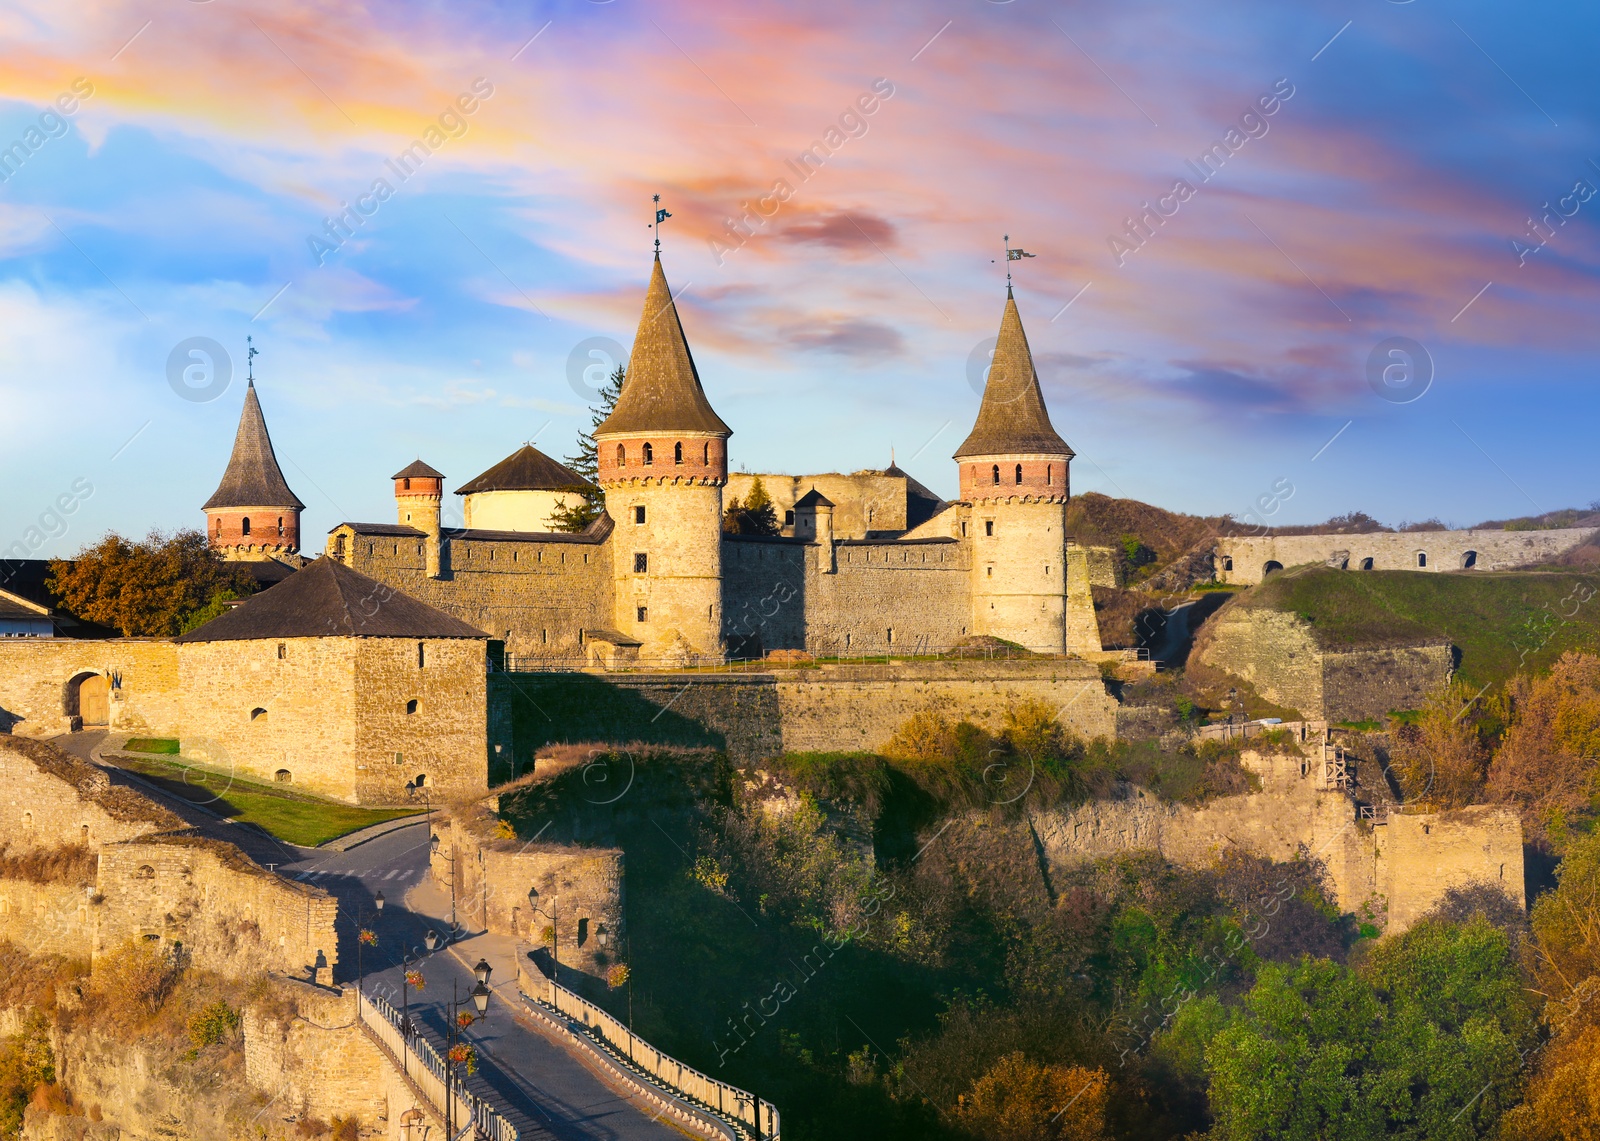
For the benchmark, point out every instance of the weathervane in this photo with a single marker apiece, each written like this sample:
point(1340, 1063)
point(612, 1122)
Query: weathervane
point(251, 353)
point(1011, 256)
point(661, 216)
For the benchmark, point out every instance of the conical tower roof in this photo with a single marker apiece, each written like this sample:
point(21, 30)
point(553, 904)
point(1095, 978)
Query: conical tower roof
point(1012, 419)
point(253, 478)
point(662, 391)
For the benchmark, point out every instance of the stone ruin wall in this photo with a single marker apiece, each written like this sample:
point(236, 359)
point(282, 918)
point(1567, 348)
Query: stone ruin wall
point(318, 1063)
point(1277, 653)
point(1403, 867)
point(152, 878)
point(233, 916)
point(1445, 550)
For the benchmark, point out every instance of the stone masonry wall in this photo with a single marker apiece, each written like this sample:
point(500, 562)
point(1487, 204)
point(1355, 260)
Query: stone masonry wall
point(919, 590)
point(534, 592)
point(765, 597)
point(1272, 650)
point(36, 675)
point(443, 740)
point(1277, 653)
point(1445, 550)
point(53, 800)
point(47, 918)
point(234, 916)
point(1360, 685)
point(500, 882)
point(1404, 866)
point(319, 1063)
point(754, 716)
point(335, 712)
point(1419, 857)
point(308, 694)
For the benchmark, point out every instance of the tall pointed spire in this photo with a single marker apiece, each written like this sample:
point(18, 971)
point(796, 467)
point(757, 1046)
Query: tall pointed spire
point(662, 392)
point(253, 478)
point(1012, 419)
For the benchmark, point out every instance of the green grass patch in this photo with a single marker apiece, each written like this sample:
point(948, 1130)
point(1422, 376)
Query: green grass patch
point(1502, 622)
point(295, 817)
point(164, 746)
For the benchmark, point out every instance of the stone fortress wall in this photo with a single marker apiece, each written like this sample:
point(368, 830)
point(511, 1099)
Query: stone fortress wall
point(38, 678)
point(1401, 868)
point(1277, 652)
point(536, 591)
point(513, 888)
point(1245, 560)
point(828, 708)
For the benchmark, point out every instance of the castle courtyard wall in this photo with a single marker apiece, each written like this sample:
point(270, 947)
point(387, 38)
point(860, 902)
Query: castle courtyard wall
point(1494, 550)
point(1419, 857)
point(919, 590)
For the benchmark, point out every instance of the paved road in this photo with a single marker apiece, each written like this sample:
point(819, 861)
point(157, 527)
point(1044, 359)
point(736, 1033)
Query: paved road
point(544, 1090)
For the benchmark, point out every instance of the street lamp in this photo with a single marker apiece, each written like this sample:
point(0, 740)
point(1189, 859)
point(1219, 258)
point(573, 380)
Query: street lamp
point(459, 1021)
point(362, 933)
point(482, 971)
point(433, 846)
point(555, 934)
point(432, 940)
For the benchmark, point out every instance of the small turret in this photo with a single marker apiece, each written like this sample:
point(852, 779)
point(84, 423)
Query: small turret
point(813, 522)
point(418, 500)
point(253, 514)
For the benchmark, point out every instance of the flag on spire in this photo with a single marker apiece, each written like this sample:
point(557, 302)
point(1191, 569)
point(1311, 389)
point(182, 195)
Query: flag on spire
point(1018, 255)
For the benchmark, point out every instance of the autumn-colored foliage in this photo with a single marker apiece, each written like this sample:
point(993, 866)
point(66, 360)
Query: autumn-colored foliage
point(1547, 763)
point(1020, 1100)
point(150, 588)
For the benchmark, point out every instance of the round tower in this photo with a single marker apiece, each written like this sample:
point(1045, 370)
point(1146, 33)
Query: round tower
point(418, 499)
point(663, 461)
point(1013, 473)
point(253, 514)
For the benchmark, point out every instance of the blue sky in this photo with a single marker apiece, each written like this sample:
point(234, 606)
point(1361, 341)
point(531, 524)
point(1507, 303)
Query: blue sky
point(1221, 357)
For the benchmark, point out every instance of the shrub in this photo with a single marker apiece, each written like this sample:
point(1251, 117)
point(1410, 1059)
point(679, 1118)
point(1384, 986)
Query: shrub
point(134, 981)
point(213, 1024)
point(1019, 1100)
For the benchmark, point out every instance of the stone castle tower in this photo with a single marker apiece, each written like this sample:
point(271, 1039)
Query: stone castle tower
point(253, 515)
point(418, 502)
point(1013, 471)
point(663, 461)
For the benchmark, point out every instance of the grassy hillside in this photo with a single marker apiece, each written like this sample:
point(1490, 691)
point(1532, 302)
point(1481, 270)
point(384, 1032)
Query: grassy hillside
point(1502, 623)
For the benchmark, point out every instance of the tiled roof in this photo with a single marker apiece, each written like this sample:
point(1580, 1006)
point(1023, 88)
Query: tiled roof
point(526, 469)
point(328, 599)
point(253, 478)
point(662, 390)
point(417, 470)
point(1012, 419)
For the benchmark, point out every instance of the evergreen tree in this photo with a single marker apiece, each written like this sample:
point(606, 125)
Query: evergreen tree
point(586, 503)
point(755, 516)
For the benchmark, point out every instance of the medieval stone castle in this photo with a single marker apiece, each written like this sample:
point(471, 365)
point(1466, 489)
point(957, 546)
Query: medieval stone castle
point(868, 563)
